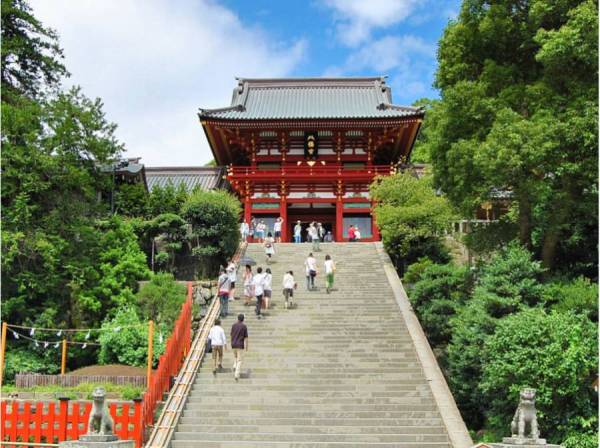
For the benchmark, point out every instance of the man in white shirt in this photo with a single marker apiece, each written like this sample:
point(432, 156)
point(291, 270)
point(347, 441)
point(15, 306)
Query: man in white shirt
point(298, 232)
point(277, 229)
point(258, 281)
point(218, 342)
point(244, 230)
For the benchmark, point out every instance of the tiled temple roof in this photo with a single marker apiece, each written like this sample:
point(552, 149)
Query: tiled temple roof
point(310, 98)
point(205, 178)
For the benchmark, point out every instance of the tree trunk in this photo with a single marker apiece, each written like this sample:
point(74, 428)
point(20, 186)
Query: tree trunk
point(525, 221)
point(551, 240)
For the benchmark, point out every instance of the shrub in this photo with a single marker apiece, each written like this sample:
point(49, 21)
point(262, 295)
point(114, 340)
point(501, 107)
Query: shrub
point(554, 353)
point(581, 441)
point(436, 296)
point(410, 216)
point(509, 283)
point(124, 340)
point(579, 295)
point(24, 360)
point(415, 271)
point(160, 300)
point(214, 217)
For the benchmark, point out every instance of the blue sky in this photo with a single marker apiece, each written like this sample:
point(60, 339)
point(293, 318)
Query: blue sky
point(154, 62)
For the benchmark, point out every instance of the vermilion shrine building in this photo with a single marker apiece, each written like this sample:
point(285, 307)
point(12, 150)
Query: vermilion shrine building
point(307, 149)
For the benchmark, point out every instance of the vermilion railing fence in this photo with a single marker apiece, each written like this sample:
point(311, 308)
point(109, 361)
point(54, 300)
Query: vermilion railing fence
point(178, 345)
point(53, 422)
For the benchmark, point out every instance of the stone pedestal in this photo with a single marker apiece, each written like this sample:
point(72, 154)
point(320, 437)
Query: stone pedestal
point(519, 442)
point(98, 441)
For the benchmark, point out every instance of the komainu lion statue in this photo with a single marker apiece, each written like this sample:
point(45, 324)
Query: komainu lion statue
point(100, 417)
point(524, 424)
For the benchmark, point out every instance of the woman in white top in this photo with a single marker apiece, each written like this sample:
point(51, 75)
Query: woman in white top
point(232, 274)
point(248, 288)
point(289, 284)
point(311, 271)
point(357, 234)
point(329, 271)
point(267, 286)
point(269, 246)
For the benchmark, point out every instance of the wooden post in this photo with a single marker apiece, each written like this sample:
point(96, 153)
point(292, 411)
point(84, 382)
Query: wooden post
point(339, 220)
point(283, 214)
point(150, 354)
point(2, 351)
point(63, 361)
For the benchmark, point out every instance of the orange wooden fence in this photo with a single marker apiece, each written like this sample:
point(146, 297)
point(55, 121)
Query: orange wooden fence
point(52, 422)
point(178, 345)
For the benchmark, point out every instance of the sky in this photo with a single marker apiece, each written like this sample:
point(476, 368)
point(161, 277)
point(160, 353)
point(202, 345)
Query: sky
point(155, 62)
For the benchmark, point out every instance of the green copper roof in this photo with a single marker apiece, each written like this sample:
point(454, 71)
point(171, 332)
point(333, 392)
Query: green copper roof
point(309, 98)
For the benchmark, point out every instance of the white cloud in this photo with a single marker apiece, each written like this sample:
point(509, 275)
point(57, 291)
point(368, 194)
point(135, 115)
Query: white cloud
point(154, 63)
point(409, 60)
point(357, 18)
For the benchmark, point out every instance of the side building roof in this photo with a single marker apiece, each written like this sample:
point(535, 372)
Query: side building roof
point(311, 98)
point(205, 178)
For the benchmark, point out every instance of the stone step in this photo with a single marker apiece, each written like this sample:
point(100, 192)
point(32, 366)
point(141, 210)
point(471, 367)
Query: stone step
point(312, 429)
point(302, 437)
point(279, 444)
point(326, 422)
point(251, 413)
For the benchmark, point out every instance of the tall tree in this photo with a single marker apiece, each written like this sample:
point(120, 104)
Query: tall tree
point(519, 110)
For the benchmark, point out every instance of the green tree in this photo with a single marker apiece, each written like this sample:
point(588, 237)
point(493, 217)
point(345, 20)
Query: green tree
point(31, 57)
point(124, 340)
point(411, 217)
point(509, 283)
point(557, 354)
point(167, 199)
point(214, 217)
point(160, 299)
point(436, 296)
point(519, 110)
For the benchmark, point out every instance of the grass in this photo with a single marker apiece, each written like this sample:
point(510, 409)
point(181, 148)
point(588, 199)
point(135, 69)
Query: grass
point(81, 391)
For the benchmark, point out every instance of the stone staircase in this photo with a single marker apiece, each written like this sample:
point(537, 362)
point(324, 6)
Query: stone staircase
point(339, 370)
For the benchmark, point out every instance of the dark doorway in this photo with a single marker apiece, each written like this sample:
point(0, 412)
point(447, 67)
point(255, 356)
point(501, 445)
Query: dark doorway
point(306, 213)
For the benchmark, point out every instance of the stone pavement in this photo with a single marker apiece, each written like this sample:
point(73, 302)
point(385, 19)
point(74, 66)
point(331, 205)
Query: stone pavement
point(338, 370)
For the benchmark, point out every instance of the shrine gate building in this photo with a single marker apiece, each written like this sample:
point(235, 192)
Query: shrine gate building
point(308, 149)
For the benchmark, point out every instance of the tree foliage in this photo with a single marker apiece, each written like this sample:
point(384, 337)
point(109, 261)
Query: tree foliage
point(518, 112)
point(160, 299)
point(410, 216)
point(553, 353)
point(213, 216)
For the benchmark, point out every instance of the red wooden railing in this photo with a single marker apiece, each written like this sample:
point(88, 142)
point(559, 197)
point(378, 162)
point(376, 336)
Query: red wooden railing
point(178, 345)
point(25, 421)
point(52, 422)
point(292, 171)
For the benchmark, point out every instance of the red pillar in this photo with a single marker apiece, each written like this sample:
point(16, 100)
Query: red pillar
point(247, 209)
point(283, 214)
point(374, 228)
point(339, 220)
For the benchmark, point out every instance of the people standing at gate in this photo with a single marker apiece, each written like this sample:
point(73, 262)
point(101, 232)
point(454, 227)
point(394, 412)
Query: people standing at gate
point(248, 289)
point(329, 273)
point(223, 286)
point(239, 344)
point(218, 342)
point(311, 272)
point(260, 231)
point(298, 232)
point(252, 227)
point(268, 287)
point(289, 284)
point(258, 282)
point(277, 229)
point(269, 246)
point(357, 234)
point(328, 237)
point(244, 231)
point(231, 270)
point(351, 234)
